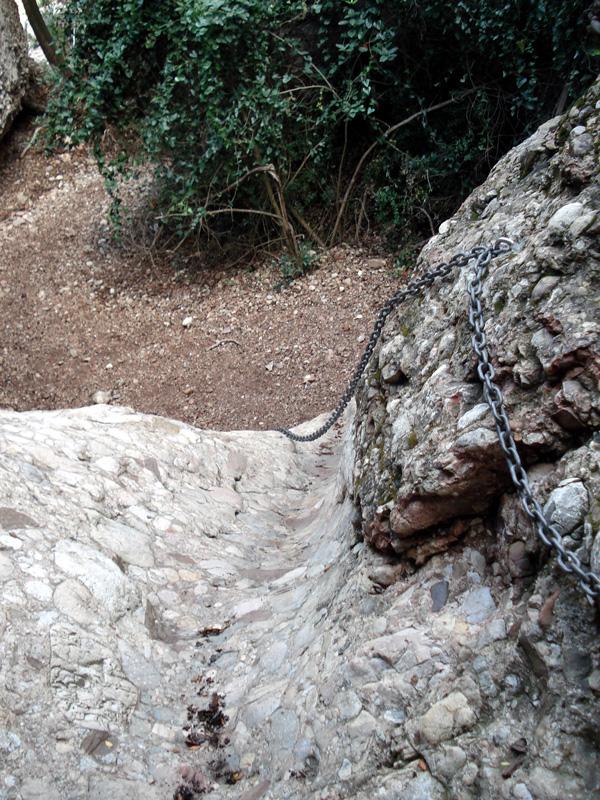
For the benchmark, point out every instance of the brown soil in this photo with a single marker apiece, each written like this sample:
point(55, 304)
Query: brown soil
point(79, 315)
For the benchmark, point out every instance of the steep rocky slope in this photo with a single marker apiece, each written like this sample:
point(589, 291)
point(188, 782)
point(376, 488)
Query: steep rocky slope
point(14, 68)
point(427, 449)
point(189, 613)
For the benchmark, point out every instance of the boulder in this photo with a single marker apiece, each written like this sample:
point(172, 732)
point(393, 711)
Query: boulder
point(428, 457)
point(14, 66)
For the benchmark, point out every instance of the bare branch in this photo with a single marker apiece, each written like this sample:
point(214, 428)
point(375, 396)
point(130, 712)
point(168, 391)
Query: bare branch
point(369, 150)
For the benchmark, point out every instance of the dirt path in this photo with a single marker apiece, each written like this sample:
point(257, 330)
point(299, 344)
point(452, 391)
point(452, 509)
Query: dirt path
point(78, 316)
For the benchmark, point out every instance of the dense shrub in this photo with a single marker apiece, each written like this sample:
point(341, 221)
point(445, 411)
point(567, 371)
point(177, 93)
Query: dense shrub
point(269, 117)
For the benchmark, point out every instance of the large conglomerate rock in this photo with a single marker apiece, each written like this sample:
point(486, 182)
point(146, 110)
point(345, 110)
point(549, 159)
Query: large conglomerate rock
point(428, 455)
point(14, 69)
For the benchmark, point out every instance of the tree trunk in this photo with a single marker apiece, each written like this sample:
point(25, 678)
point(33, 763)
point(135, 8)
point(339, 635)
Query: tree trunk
point(42, 34)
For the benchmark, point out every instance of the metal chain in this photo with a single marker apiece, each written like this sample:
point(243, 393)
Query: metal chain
point(550, 536)
point(568, 561)
point(412, 289)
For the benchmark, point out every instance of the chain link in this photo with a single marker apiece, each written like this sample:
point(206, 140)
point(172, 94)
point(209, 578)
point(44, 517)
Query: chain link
point(412, 289)
point(568, 561)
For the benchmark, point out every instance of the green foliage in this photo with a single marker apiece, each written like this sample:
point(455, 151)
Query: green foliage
point(253, 115)
point(294, 266)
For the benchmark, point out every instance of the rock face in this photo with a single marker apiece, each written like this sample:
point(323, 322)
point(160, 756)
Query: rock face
point(188, 614)
point(428, 454)
point(13, 64)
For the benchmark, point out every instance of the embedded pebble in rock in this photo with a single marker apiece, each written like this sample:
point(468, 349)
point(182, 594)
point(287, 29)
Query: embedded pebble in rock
point(564, 217)
point(439, 595)
point(187, 613)
point(567, 506)
point(451, 714)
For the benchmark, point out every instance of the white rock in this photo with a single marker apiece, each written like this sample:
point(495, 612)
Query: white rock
point(72, 599)
point(567, 506)
point(474, 414)
point(99, 574)
point(101, 398)
point(7, 568)
point(345, 771)
point(187, 321)
point(449, 715)
point(39, 590)
point(582, 223)
point(478, 439)
point(129, 544)
point(562, 219)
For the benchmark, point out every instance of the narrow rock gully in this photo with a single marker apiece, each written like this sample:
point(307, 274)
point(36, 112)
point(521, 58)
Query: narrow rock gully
point(193, 614)
point(188, 613)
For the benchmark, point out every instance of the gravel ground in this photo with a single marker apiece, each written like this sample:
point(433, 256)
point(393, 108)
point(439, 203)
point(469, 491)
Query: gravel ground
point(218, 348)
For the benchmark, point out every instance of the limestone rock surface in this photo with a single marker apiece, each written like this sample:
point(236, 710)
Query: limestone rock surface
point(187, 613)
point(14, 69)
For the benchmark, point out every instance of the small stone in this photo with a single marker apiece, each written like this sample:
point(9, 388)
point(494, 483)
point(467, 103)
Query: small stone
point(39, 789)
point(101, 397)
point(394, 715)
point(576, 664)
point(165, 731)
point(448, 761)
point(349, 705)
point(6, 567)
point(477, 605)
point(187, 321)
point(567, 506)
point(544, 286)
point(439, 595)
point(9, 741)
point(594, 681)
point(495, 631)
point(582, 143)
point(595, 555)
point(99, 574)
point(452, 713)
point(38, 590)
point(10, 542)
point(445, 227)
point(581, 224)
point(345, 771)
point(284, 728)
point(474, 414)
point(520, 563)
point(521, 792)
point(75, 601)
point(309, 378)
point(562, 219)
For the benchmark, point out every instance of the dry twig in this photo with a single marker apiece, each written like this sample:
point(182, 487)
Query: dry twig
point(221, 342)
